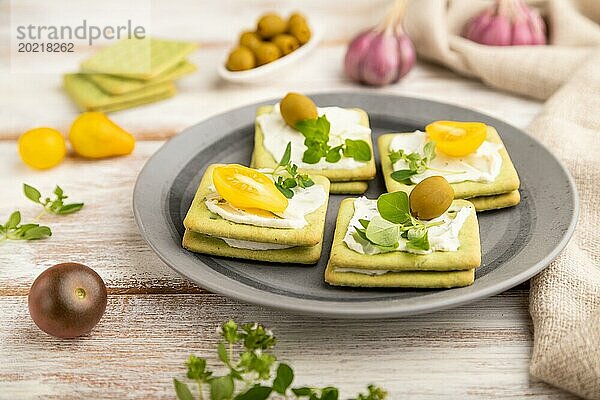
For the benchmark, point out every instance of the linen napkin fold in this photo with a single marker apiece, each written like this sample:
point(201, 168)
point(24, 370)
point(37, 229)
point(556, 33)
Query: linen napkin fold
point(565, 297)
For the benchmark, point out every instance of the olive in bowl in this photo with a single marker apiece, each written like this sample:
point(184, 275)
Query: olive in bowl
point(67, 300)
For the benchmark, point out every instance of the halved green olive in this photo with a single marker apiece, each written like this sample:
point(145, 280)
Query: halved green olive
point(296, 107)
point(430, 198)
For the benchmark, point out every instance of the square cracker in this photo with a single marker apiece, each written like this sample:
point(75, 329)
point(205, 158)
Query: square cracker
point(116, 85)
point(199, 243)
point(402, 279)
point(90, 97)
point(497, 201)
point(138, 58)
point(506, 182)
point(263, 159)
point(351, 187)
point(200, 220)
point(467, 257)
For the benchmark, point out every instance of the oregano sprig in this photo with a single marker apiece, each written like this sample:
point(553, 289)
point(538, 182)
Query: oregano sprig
point(316, 139)
point(53, 206)
point(14, 230)
point(246, 352)
point(293, 178)
point(417, 163)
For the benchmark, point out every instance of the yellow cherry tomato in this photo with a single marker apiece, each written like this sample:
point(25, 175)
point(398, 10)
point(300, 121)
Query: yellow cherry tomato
point(247, 188)
point(457, 139)
point(94, 135)
point(42, 148)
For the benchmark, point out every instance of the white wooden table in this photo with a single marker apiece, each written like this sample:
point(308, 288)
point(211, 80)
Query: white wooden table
point(155, 318)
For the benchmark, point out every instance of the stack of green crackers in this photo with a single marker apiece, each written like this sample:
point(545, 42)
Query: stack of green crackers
point(130, 73)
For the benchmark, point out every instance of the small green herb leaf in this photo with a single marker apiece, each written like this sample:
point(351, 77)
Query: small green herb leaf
point(403, 175)
point(429, 151)
point(364, 223)
point(197, 369)
point(69, 208)
point(283, 379)
point(13, 221)
point(330, 393)
point(357, 149)
point(287, 154)
point(37, 232)
point(31, 193)
point(394, 207)
point(182, 390)
point(334, 155)
point(256, 392)
point(418, 238)
point(383, 232)
point(284, 185)
point(221, 388)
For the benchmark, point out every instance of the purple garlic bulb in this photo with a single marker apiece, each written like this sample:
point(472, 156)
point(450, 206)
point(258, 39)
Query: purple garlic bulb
point(381, 55)
point(507, 23)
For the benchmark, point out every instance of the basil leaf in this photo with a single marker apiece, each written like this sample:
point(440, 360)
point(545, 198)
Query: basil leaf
point(284, 378)
point(394, 207)
point(418, 238)
point(256, 392)
point(13, 221)
point(69, 208)
point(403, 175)
point(288, 193)
point(302, 391)
point(364, 223)
point(330, 393)
point(222, 353)
point(182, 390)
point(333, 155)
point(383, 232)
point(357, 149)
point(221, 388)
point(32, 193)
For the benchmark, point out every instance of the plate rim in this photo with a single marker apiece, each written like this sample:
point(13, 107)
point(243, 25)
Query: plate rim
point(360, 309)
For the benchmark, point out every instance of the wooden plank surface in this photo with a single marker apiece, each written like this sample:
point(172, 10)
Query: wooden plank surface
point(155, 318)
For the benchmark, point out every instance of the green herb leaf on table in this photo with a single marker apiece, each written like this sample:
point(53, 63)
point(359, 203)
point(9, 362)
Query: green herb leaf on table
point(316, 139)
point(55, 205)
point(245, 351)
point(13, 230)
point(285, 184)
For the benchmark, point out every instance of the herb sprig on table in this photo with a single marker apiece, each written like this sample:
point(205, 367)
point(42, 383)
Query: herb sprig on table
point(316, 139)
point(285, 185)
point(53, 206)
point(393, 223)
point(14, 230)
point(245, 352)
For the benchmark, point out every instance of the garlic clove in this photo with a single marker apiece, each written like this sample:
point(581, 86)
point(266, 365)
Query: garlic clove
point(497, 32)
point(521, 33)
point(408, 56)
point(381, 61)
point(355, 54)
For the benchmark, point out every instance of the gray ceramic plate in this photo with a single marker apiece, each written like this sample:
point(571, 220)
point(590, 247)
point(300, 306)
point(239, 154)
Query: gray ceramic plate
point(517, 243)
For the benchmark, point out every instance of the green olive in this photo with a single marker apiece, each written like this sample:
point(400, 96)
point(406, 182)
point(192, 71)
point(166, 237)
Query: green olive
point(298, 27)
point(266, 52)
point(250, 40)
point(240, 59)
point(286, 43)
point(430, 198)
point(270, 24)
point(296, 107)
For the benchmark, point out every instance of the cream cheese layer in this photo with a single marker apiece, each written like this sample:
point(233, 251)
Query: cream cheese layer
point(345, 124)
point(443, 237)
point(483, 165)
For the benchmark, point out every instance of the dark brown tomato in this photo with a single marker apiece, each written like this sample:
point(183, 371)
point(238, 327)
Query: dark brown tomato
point(67, 300)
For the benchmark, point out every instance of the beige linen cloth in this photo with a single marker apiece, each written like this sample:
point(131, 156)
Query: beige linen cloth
point(565, 297)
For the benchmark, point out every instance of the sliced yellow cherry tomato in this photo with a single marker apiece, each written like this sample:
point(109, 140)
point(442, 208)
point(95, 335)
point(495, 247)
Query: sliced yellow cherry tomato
point(457, 139)
point(247, 188)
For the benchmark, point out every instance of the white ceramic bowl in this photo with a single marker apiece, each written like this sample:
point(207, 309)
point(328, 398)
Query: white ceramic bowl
point(271, 70)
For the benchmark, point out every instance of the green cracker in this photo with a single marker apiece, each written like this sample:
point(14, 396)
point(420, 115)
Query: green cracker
point(115, 85)
point(200, 220)
point(138, 58)
point(435, 270)
point(90, 97)
point(468, 256)
point(506, 182)
point(199, 243)
point(494, 202)
point(352, 187)
point(263, 159)
point(404, 279)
